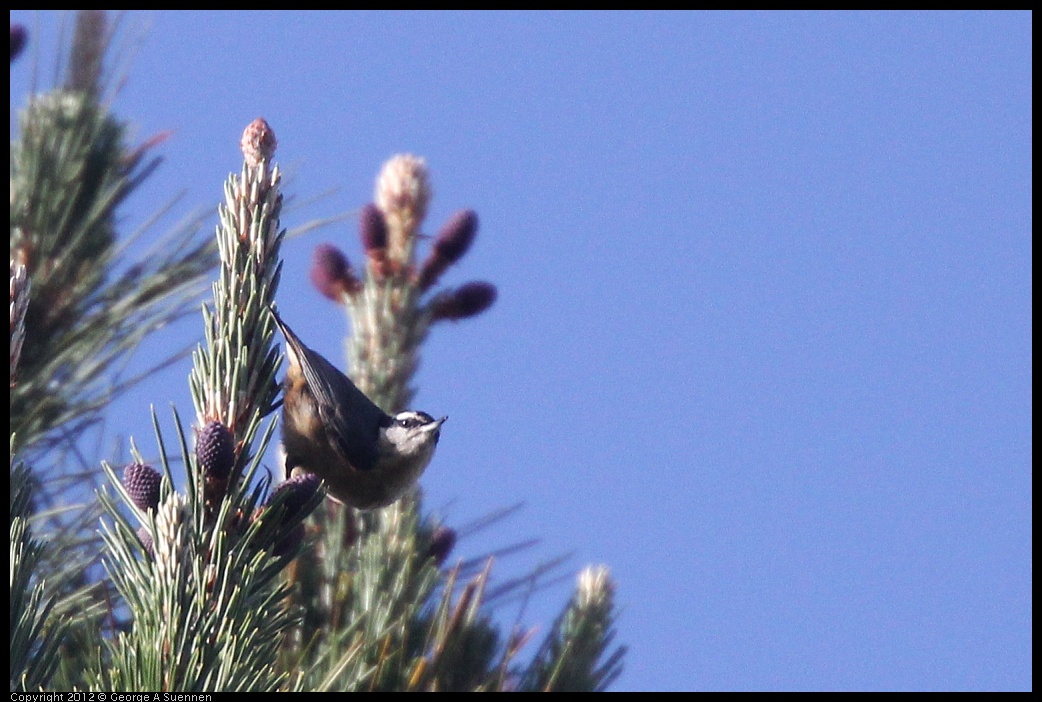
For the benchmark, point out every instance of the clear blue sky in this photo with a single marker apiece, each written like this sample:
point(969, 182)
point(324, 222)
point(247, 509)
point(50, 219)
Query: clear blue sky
point(763, 337)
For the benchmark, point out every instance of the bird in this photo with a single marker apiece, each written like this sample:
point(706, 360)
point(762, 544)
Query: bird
point(366, 457)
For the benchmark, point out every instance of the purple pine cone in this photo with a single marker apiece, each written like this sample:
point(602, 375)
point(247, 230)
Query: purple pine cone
point(215, 450)
point(465, 301)
point(142, 482)
point(301, 488)
point(331, 273)
point(18, 37)
point(442, 542)
point(372, 228)
point(146, 540)
point(456, 236)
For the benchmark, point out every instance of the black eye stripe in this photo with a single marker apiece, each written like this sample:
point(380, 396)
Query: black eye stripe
point(411, 420)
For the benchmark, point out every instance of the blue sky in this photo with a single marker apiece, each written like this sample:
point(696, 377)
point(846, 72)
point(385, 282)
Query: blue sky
point(762, 343)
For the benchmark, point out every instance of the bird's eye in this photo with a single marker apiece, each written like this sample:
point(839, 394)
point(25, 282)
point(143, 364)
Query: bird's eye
point(405, 423)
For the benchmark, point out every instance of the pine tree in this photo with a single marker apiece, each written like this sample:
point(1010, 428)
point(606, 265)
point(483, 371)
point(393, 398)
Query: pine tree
point(236, 580)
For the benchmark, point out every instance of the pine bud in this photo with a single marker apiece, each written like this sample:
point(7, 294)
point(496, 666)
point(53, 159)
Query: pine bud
point(403, 190)
point(467, 300)
point(215, 450)
point(442, 542)
point(258, 142)
point(331, 273)
point(142, 483)
point(595, 588)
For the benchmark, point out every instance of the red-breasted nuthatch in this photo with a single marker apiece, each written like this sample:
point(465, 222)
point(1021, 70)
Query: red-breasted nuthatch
point(366, 457)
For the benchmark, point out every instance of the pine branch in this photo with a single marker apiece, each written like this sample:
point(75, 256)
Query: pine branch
point(34, 650)
point(69, 173)
point(570, 658)
point(200, 573)
point(71, 170)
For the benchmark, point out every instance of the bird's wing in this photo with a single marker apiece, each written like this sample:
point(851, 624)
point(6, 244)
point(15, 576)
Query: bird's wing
point(352, 419)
